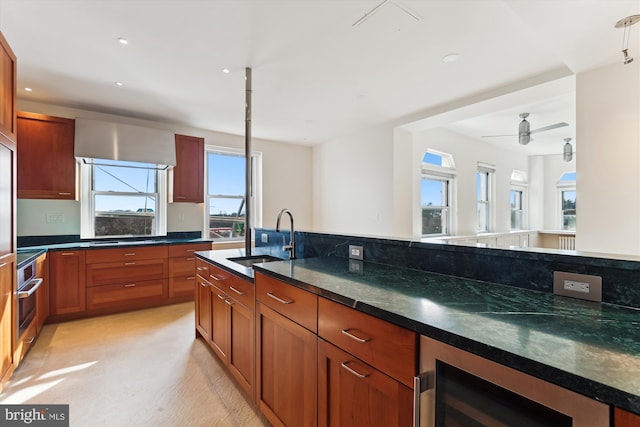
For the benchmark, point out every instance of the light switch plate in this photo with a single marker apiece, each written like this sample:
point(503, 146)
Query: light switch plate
point(582, 286)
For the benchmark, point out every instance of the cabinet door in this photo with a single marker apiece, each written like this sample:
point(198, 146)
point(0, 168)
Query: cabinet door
point(352, 393)
point(241, 345)
point(7, 278)
point(219, 324)
point(203, 309)
point(42, 297)
point(8, 81)
point(67, 274)
point(188, 173)
point(626, 419)
point(286, 369)
point(46, 162)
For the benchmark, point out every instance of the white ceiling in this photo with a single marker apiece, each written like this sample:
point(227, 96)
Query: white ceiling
point(315, 75)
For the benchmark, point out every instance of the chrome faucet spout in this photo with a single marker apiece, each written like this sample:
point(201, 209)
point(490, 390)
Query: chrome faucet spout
point(291, 247)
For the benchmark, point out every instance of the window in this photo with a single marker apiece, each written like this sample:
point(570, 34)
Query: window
point(568, 207)
point(122, 199)
point(226, 204)
point(438, 173)
point(483, 191)
point(517, 195)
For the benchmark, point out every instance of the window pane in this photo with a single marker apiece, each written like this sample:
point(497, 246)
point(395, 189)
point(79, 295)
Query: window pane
point(568, 176)
point(433, 192)
point(432, 159)
point(434, 221)
point(125, 179)
point(124, 215)
point(226, 217)
point(226, 174)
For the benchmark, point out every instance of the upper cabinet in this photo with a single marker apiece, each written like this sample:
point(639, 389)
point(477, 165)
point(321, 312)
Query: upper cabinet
point(187, 178)
point(7, 90)
point(46, 162)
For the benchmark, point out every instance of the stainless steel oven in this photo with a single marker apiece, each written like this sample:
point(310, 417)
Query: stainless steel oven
point(28, 284)
point(458, 388)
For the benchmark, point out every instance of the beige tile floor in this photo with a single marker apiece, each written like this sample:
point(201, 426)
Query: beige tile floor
point(143, 368)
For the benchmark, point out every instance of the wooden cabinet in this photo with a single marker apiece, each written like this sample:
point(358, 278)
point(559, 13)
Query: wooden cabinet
point(46, 162)
point(42, 294)
point(67, 287)
point(182, 269)
point(353, 393)
point(7, 328)
point(623, 418)
point(126, 278)
point(286, 354)
point(186, 180)
point(8, 81)
point(365, 369)
point(224, 318)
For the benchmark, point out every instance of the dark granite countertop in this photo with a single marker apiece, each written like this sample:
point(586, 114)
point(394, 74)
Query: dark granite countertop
point(24, 257)
point(110, 243)
point(590, 348)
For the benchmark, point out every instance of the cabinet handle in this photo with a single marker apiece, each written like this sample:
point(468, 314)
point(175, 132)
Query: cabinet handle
point(30, 340)
point(67, 253)
point(224, 297)
point(3, 264)
point(228, 302)
point(130, 254)
point(64, 194)
point(280, 300)
point(191, 250)
point(191, 278)
point(202, 268)
point(181, 197)
point(129, 263)
point(353, 371)
point(217, 279)
point(237, 291)
point(355, 338)
point(190, 259)
point(130, 285)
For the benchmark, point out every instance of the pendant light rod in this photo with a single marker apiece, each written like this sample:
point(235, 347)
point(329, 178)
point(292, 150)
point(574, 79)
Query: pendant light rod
point(247, 155)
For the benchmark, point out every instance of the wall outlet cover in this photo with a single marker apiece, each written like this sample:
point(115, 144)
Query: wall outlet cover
point(356, 252)
point(582, 286)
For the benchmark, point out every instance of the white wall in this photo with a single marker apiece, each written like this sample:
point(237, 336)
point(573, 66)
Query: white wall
point(353, 184)
point(286, 181)
point(608, 163)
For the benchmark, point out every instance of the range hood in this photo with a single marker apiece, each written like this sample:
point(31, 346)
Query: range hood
point(97, 139)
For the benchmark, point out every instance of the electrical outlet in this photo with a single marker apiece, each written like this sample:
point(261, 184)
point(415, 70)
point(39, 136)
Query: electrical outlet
point(356, 252)
point(264, 237)
point(54, 218)
point(582, 286)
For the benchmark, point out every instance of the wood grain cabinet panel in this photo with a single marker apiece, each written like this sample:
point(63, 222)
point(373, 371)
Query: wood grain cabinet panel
point(132, 253)
point(352, 393)
point(187, 177)
point(182, 269)
point(8, 82)
point(107, 273)
point(46, 162)
point(68, 289)
point(203, 308)
point(121, 296)
point(389, 348)
point(7, 280)
point(623, 418)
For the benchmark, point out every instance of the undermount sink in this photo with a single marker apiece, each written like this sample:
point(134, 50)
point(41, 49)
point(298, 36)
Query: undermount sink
point(248, 261)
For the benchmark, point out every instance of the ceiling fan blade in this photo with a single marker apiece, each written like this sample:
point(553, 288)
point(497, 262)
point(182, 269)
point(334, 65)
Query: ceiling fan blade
point(546, 128)
point(498, 136)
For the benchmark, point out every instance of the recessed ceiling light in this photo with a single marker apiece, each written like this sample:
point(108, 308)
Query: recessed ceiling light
point(225, 70)
point(28, 89)
point(119, 84)
point(123, 40)
point(452, 57)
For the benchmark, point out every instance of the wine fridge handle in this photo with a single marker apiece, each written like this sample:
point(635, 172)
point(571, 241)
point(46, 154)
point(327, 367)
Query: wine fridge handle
point(421, 383)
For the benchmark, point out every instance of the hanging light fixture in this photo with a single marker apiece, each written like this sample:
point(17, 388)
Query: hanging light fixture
point(567, 152)
point(625, 24)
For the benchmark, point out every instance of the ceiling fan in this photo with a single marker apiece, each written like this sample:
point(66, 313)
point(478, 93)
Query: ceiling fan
point(524, 130)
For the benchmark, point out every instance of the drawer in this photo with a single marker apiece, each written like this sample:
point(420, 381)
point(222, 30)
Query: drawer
point(108, 273)
point(295, 303)
point(242, 291)
point(184, 266)
point(385, 346)
point(187, 250)
point(213, 274)
point(126, 295)
point(126, 254)
point(182, 286)
point(202, 268)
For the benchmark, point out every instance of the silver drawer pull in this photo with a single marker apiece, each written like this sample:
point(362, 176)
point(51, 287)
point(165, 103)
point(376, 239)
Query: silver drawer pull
point(129, 263)
point(3, 264)
point(202, 268)
point(30, 340)
point(228, 302)
point(355, 338)
point(130, 285)
point(190, 259)
point(280, 300)
point(237, 291)
point(67, 253)
point(191, 278)
point(224, 297)
point(64, 194)
point(216, 278)
point(130, 254)
point(191, 250)
point(353, 371)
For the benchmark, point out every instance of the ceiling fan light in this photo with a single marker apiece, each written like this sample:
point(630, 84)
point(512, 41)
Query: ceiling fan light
point(567, 152)
point(524, 138)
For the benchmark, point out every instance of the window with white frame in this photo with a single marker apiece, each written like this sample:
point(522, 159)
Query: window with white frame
point(484, 182)
point(517, 198)
point(438, 173)
point(122, 199)
point(568, 207)
point(226, 204)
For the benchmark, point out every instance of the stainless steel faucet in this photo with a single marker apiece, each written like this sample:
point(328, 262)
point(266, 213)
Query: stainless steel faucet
point(291, 247)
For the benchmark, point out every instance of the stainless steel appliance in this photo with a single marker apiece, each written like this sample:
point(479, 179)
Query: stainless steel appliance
point(458, 388)
point(28, 283)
